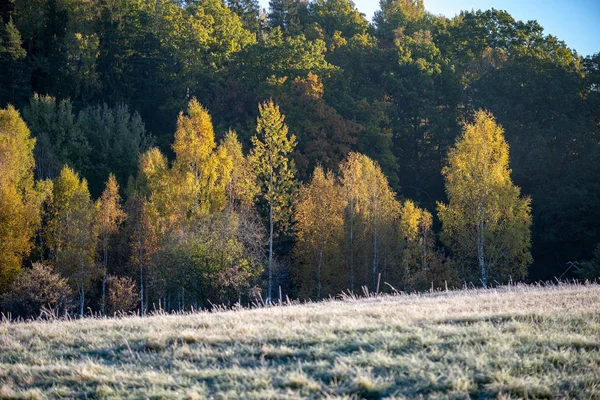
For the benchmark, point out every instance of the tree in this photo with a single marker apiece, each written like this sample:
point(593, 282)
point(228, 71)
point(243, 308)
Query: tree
point(319, 216)
point(486, 222)
point(351, 174)
point(38, 289)
point(242, 187)
point(248, 11)
point(285, 14)
point(110, 216)
point(73, 236)
point(14, 86)
point(371, 213)
point(424, 264)
point(379, 210)
point(19, 202)
point(275, 171)
point(205, 169)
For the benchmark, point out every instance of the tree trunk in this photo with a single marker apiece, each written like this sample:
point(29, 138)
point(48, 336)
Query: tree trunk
point(82, 294)
point(270, 292)
point(141, 254)
point(104, 270)
point(352, 244)
point(374, 248)
point(480, 254)
point(319, 274)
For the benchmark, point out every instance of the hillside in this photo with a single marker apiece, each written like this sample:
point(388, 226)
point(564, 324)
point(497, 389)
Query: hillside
point(506, 343)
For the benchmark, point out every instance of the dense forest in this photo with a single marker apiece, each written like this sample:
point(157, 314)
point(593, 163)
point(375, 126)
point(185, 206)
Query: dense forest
point(178, 154)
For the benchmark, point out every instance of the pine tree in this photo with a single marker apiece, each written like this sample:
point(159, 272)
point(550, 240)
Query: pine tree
point(19, 202)
point(275, 171)
point(486, 222)
point(110, 216)
point(248, 11)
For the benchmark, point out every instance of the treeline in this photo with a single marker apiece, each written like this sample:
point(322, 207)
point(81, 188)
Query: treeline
point(190, 233)
point(101, 83)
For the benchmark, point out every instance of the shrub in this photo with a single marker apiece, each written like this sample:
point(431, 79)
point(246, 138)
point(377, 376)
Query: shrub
point(590, 269)
point(122, 295)
point(36, 290)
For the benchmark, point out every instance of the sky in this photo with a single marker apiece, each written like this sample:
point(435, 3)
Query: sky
point(576, 22)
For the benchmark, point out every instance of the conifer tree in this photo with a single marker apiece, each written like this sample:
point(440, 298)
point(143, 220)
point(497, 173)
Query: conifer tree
point(19, 203)
point(486, 222)
point(275, 171)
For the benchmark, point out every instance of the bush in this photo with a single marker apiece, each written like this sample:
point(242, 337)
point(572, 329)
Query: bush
point(36, 290)
point(590, 269)
point(122, 295)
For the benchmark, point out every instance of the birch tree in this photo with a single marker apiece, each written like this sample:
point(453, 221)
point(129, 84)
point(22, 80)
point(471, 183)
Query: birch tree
point(110, 216)
point(19, 204)
point(319, 216)
point(73, 232)
point(486, 222)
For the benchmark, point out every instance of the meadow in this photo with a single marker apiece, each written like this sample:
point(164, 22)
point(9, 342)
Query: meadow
point(509, 342)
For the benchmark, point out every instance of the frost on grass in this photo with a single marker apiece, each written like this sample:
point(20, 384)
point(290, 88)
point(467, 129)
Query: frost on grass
point(513, 342)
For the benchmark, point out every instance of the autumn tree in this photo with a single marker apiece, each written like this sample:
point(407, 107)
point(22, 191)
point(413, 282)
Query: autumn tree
point(73, 236)
point(319, 216)
point(242, 187)
point(379, 210)
point(110, 216)
point(19, 202)
point(204, 168)
point(486, 222)
point(275, 171)
point(371, 212)
point(351, 175)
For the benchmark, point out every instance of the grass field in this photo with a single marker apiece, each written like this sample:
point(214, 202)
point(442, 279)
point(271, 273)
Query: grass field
point(512, 342)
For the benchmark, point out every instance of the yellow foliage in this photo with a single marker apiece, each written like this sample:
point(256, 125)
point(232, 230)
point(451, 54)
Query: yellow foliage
point(19, 201)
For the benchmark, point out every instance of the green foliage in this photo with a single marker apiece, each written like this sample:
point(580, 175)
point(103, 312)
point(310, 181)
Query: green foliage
point(66, 137)
point(109, 72)
point(590, 269)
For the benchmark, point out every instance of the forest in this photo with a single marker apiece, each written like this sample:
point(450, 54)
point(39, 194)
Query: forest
point(168, 154)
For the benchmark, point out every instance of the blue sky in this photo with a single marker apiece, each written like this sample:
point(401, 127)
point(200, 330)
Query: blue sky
point(576, 22)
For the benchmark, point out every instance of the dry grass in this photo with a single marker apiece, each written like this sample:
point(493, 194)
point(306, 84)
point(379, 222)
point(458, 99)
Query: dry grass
point(513, 342)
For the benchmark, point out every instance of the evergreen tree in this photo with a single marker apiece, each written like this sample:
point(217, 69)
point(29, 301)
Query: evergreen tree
point(248, 11)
